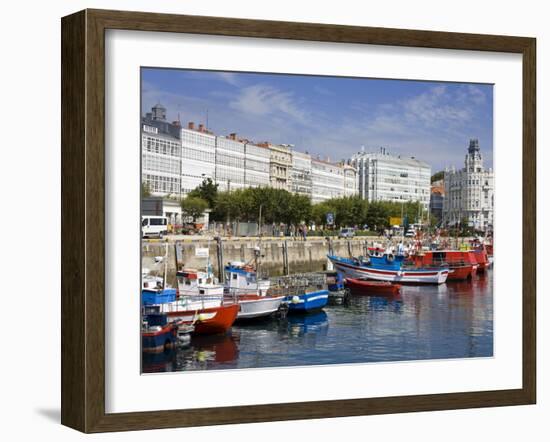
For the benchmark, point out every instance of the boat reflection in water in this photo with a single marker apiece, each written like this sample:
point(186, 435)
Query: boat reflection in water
point(312, 324)
point(159, 362)
point(209, 351)
point(451, 320)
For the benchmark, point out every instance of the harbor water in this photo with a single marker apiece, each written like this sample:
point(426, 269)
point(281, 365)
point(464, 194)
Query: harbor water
point(452, 320)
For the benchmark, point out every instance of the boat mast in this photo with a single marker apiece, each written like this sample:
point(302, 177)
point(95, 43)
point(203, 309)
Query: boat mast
point(259, 253)
point(165, 266)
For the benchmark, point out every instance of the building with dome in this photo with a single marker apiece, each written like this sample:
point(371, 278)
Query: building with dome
point(469, 192)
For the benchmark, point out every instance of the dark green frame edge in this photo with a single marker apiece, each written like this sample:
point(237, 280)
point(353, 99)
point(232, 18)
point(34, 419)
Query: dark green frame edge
point(83, 216)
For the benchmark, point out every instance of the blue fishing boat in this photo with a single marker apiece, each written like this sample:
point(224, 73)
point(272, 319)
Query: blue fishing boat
point(157, 334)
point(307, 302)
point(150, 296)
point(389, 268)
point(304, 293)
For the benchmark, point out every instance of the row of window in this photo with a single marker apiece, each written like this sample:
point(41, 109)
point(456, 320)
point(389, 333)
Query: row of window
point(197, 139)
point(199, 155)
point(161, 184)
point(260, 166)
point(231, 161)
point(230, 175)
point(161, 163)
point(228, 144)
point(161, 146)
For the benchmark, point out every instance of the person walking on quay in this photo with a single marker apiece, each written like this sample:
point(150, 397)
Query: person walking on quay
point(304, 232)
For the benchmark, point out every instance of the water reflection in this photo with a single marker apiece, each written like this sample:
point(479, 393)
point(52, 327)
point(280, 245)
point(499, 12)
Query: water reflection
point(453, 320)
point(315, 323)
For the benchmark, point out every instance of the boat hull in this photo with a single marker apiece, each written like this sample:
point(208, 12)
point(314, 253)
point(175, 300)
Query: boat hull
point(483, 267)
point(307, 302)
point(461, 273)
point(209, 320)
point(427, 276)
point(482, 260)
point(373, 287)
point(160, 340)
point(254, 306)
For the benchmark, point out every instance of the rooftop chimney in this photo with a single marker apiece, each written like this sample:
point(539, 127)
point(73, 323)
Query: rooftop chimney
point(191, 125)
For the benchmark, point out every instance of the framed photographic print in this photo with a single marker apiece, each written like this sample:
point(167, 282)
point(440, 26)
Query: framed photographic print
point(266, 221)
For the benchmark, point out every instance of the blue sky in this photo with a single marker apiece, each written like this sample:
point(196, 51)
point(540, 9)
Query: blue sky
point(331, 116)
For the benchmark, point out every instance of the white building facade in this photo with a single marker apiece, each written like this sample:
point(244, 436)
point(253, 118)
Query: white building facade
point(385, 177)
point(198, 157)
point(327, 180)
point(301, 174)
point(160, 161)
point(469, 192)
point(350, 180)
point(256, 165)
point(177, 160)
point(280, 166)
point(229, 174)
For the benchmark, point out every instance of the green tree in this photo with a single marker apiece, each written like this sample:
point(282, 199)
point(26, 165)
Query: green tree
point(297, 210)
point(193, 207)
point(378, 214)
point(145, 189)
point(207, 190)
point(438, 176)
point(319, 213)
point(277, 205)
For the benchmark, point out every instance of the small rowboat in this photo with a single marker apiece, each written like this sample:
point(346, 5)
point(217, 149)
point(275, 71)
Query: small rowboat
point(363, 286)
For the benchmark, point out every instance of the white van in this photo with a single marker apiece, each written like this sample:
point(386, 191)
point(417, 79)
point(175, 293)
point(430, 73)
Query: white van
point(154, 226)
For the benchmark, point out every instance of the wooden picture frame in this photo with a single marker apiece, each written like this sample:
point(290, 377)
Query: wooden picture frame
point(83, 216)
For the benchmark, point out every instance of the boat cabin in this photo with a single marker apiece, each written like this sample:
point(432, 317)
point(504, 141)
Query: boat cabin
point(194, 282)
point(241, 278)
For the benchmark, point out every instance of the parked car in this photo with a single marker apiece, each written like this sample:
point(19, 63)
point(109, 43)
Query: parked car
point(154, 226)
point(346, 232)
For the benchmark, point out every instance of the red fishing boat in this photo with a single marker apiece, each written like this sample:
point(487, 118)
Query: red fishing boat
point(201, 303)
point(482, 259)
point(462, 264)
point(208, 320)
point(368, 287)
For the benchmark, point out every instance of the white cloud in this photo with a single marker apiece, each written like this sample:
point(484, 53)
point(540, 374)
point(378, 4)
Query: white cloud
point(476, 94)
point(263, 100)
point(434, 125)
point(229, 77)
point(435, 107)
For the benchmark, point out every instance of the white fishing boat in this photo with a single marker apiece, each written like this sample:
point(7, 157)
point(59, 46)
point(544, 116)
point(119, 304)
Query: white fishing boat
point(251, 293)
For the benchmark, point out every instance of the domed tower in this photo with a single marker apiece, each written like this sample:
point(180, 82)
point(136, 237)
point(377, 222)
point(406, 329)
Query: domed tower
point(159, 112)
point(474, 160)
